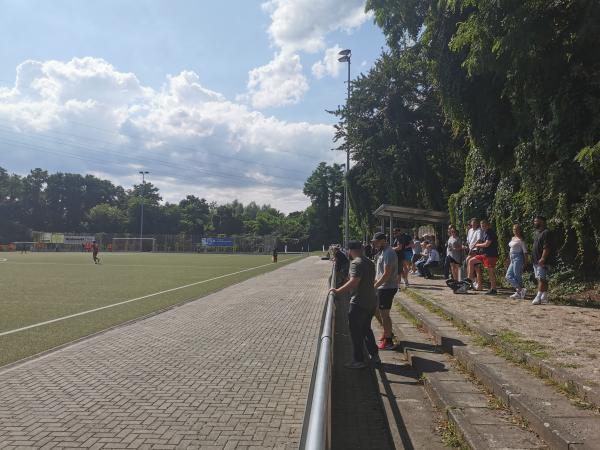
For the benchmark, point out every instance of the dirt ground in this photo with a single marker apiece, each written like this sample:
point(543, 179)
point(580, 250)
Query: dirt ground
point(568, 335)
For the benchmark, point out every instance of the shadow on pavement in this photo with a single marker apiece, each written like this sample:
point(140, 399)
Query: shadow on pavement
point(358, 418)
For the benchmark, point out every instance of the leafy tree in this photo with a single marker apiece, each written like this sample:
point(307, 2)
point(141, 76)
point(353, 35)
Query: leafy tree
point(195, 215)
point(325, 188)
point(519, 80)
point(107, 219)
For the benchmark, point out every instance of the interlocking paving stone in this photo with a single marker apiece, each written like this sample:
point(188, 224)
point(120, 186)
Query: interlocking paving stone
point(230, 370)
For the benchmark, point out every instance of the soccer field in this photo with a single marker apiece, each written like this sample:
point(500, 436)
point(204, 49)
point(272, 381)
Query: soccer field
point(40, 287)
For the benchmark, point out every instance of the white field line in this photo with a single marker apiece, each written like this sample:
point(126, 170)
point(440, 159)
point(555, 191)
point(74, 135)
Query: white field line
point(3, 259)
point(58, 319)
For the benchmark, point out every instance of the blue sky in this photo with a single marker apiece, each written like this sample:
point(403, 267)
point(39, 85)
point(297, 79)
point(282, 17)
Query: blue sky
point(248, 66)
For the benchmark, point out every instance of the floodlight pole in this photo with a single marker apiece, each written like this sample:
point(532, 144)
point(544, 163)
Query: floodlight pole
point(346, 56)
point(143, 173)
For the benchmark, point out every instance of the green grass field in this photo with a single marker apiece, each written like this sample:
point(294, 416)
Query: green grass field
point(38, 287)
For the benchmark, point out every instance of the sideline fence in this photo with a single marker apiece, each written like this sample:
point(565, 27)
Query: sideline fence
point(316, 429)
point(177, 243)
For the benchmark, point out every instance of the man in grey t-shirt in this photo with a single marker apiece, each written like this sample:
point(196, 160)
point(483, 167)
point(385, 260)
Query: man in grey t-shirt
point(386, 283)
point(362, 305)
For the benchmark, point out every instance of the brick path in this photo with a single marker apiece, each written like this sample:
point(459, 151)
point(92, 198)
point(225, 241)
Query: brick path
point(231, 370)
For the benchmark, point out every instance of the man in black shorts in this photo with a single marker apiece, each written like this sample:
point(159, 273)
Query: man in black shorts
point(402, 245)
point(386, 283)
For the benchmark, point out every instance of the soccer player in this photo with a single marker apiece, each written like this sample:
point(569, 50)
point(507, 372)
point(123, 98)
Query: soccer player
point(95, 250)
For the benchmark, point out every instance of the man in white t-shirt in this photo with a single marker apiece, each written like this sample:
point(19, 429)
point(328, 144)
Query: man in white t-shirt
point(473, 237)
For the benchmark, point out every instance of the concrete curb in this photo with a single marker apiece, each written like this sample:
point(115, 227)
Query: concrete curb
point(463, 405)
point(550, 414)
point(570, 382)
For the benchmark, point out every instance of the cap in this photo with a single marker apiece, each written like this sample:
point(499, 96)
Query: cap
point(379, 236)
point(355, 245)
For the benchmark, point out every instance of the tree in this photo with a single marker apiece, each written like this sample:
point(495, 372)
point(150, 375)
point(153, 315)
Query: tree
point(106, 219)
point(518, 79)
point(195, 215)
point(325, 188)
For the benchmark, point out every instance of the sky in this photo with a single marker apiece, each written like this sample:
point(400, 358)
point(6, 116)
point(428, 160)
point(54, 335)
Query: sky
point(224, 100)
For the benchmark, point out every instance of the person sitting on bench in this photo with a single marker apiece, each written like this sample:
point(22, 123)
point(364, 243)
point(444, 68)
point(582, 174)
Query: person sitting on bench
point(433, 260)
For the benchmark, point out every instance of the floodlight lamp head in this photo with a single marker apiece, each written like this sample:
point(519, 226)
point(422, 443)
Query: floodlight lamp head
point(344, 59)
point(345, 52)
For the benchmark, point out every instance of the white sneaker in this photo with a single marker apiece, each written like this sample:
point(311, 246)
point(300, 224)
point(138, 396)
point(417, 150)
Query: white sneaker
point(516, 295)
point(537, 300)
point(475, 286)
point(523, 293)
point(544, 298)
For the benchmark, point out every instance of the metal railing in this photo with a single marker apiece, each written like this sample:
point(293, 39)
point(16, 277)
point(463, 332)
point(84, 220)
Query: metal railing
point(316, 430)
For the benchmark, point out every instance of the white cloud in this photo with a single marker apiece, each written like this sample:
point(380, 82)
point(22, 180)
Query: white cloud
point(85, 115)
point(329, 65)
point(299, 26)
point(277, 83)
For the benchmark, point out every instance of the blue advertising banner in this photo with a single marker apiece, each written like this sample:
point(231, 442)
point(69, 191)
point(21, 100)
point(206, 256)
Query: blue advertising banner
point(217, 242)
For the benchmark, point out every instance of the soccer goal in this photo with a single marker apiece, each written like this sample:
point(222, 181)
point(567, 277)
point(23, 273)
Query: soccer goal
point(133, 244)
point(22, 247)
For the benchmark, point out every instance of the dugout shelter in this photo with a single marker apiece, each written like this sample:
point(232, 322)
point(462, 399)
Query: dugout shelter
point(413, 220)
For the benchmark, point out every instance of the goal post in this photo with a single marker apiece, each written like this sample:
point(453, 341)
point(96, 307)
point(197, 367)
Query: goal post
point(130, 244)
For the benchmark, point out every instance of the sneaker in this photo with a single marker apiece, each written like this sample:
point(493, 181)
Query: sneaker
point(537, 300)
point(516, 295)
point(355, 365)
point(491, 292)
point(523, 293)
point(406, 283)
point(386, 344)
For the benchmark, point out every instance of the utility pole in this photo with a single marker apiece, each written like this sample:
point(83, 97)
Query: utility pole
point(143, 173)
point(346, 56)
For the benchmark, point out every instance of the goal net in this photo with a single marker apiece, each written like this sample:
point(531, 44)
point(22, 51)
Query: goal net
point(22, 246)
point(133, 245)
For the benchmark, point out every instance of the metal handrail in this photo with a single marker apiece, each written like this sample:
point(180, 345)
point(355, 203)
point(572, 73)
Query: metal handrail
point(316, 430)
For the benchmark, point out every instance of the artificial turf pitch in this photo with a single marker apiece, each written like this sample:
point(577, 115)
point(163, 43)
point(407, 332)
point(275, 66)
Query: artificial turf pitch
point(38, 287)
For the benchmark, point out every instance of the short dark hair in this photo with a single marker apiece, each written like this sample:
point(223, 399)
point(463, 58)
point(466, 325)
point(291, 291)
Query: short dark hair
point(355, 245)
point(542, 218)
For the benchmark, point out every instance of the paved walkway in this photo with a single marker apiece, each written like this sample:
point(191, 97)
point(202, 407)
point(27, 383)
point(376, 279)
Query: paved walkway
point(231, 370)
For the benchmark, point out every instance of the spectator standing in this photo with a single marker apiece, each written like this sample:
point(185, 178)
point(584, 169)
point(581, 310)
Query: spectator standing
point(488, 246)
point(402, 245)
point(518, 259)
point(363, 303)
point(341, 264)
point(542, 256)
point(473, 237)
point(275, 254)
point(453, 254)
point(368, 250)
point(417, 252)
point(433, 260)
point(386, 284)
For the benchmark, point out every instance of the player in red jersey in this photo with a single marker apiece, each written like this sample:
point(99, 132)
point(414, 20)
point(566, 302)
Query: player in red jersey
point(95, 250)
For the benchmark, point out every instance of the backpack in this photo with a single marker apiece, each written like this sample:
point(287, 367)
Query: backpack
point(459, 287)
